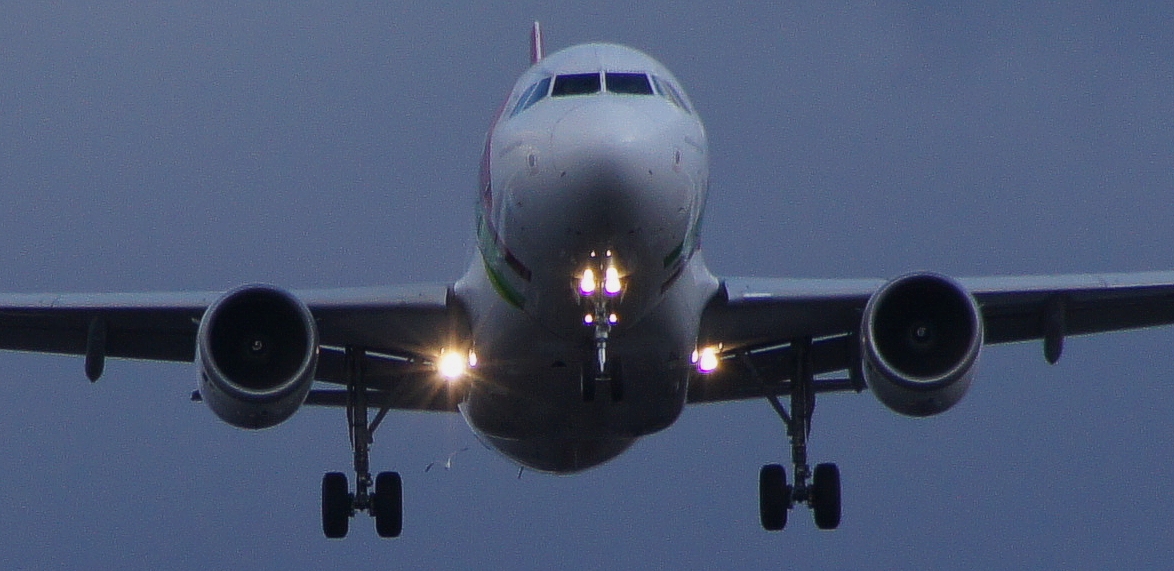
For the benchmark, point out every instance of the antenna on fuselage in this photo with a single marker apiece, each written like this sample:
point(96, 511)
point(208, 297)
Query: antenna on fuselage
point(536, 49)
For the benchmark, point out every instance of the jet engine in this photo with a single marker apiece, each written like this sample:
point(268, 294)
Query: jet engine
point(257, 351)
point(920, 338)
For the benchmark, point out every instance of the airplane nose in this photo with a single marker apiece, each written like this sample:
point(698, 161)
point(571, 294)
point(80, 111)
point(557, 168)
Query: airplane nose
point(612, 163)
point(610, 144)
point(606, 181)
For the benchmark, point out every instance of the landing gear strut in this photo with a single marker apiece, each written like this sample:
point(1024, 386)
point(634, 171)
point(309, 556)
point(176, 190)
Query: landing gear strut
point(822, 494)
point(385, 503)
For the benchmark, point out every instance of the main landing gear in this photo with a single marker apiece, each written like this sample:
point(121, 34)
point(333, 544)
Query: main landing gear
point(385, 503)
point(775, 496)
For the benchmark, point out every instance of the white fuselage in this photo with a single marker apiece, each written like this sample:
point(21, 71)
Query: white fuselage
point(581, 175)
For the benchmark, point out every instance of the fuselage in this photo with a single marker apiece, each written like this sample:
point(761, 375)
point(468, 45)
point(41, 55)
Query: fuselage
point(594, 175)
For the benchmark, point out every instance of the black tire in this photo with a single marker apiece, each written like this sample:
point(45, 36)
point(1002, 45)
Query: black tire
point(388, 504)
point(774, 497)
point(587, 383)
point(825, 496)
point(616, 380)
point(336, 505)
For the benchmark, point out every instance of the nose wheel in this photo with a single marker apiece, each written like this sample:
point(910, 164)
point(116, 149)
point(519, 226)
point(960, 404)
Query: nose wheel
point(385, 502)
point(776, 497)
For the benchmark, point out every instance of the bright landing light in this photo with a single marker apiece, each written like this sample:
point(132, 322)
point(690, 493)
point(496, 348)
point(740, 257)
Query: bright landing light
point(587, 284)
point(611, 281)
point(452, 365)
point(707, 360)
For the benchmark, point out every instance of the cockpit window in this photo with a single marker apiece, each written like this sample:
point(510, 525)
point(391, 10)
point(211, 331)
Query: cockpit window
point(628, 83)
point(575, 84)
point(669, 91)
point(532, 95)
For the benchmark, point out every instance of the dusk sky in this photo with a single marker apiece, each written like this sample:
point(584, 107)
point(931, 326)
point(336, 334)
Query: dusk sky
point(198, 146)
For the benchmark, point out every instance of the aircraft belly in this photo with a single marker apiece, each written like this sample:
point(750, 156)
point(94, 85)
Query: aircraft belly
point(526, 397)
point(535, 413)
point(532, 388)
point(560, 456)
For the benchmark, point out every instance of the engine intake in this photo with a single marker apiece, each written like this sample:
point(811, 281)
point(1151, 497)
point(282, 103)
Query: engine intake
point(257, 348)
point(921, 336)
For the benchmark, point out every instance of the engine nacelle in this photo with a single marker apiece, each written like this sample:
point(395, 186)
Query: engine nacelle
point(920, 339)
point(257, 349)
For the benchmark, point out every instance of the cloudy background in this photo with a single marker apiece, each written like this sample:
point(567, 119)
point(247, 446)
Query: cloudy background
point(177, 146)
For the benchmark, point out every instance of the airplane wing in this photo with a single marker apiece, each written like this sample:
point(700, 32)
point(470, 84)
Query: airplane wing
point(755, 320)
point(397, 326)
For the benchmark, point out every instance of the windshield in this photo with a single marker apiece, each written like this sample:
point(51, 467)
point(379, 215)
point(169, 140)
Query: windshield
point(629, 83)
point(575, 84)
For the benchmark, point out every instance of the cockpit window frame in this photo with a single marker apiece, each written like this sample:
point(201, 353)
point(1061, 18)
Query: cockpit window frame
point(595, 83)
point(574, 84)
point(623, 79)
point(533, 94)
point(669, 91)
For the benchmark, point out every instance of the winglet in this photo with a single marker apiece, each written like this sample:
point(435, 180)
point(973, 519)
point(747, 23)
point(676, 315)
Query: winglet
point(536, 49)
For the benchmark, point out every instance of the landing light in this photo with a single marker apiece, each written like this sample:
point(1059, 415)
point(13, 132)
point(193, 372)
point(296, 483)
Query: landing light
point(587, 284)
point(452, 365)
point(707, 360)
point(611, 281)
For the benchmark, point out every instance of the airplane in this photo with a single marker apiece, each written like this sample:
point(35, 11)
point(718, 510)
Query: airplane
point(587, 318)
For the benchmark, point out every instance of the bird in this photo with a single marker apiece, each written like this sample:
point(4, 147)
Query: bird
point(448, 462)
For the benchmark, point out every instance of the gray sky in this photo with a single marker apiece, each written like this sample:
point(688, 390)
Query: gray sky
point(202, 145)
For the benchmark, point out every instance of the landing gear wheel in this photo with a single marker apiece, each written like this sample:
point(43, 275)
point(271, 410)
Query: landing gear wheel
point(388, 504)
point(587, 384)
point(825, 496)
point(774, 497)
point(336, 505)
point(616, 381)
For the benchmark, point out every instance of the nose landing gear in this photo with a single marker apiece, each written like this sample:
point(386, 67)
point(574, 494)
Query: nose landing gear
point(601, 318)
